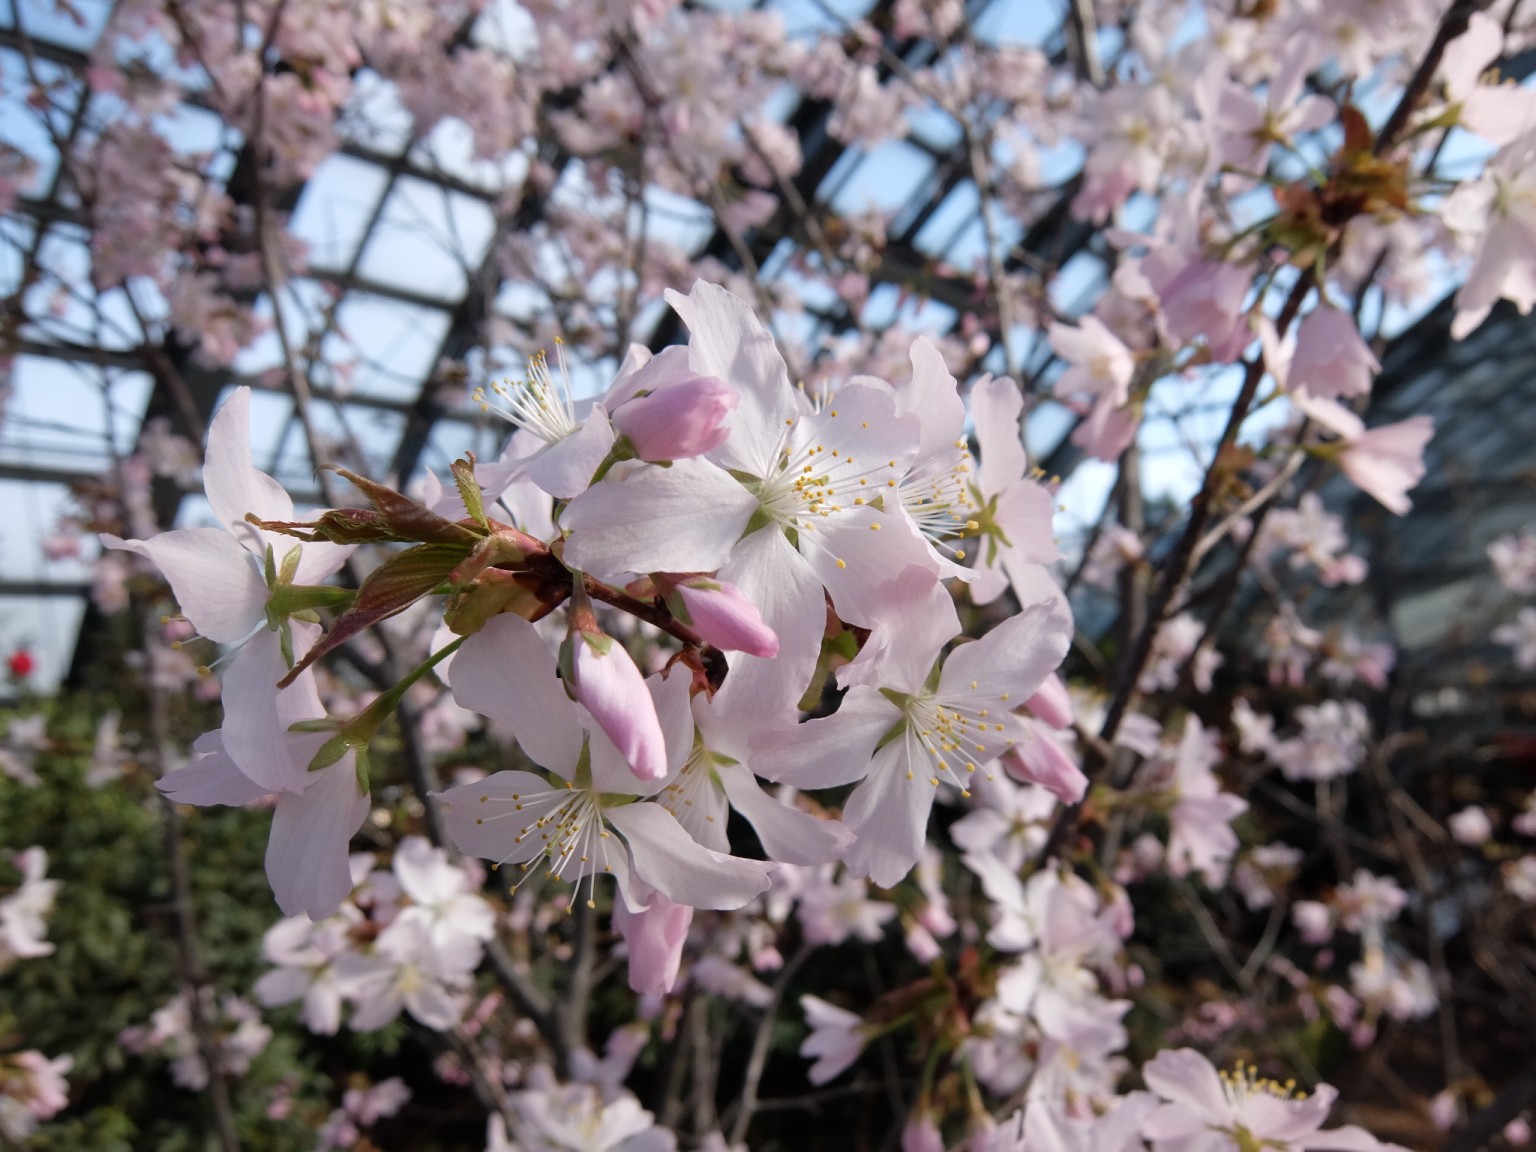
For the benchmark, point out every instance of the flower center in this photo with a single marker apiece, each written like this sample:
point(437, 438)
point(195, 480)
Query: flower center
point(540, 402)
point(937, 495)
point(565, 828)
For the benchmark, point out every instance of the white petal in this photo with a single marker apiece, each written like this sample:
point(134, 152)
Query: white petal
point(505, 671)
point(307, 856)
point(728, 342)
point(787, 834)
point(682, 518)
point(670, 861)
point(215, 581)
point(888, 812)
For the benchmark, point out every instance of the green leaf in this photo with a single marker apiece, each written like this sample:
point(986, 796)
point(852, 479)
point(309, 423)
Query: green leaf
point(391, 588)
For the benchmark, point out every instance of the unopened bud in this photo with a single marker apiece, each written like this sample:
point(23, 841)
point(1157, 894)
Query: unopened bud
point(679, 416)
point(607, 682)
point(727, 619)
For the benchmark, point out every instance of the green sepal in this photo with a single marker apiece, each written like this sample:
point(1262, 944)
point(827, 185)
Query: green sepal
point(759, 520)
point(469, 490)
point(622, 450)
point(599, 642)
point(289, 568)
point(330, 752)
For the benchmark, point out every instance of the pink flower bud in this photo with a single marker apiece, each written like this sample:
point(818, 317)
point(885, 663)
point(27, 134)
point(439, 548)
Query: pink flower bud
point(980, 1132)
point(1442, 1110)
point(921, 1134)
point(1518, 1132)
point(1044, 762)
point(682, 418)
point(655, 937)
point(612, 689)
point(726, 618)
point(1051, 703)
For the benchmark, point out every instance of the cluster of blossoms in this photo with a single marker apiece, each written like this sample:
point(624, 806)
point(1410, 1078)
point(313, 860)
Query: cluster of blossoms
point(409, 938)
point(763, 546)
point(726, 515)
point(32, 1086)
point(234, 1027)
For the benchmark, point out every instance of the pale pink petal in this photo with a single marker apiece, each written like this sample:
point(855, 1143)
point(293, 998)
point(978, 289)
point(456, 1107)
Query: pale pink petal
point(507, 672)
point(1286, 1120)
point(565, 468)
point(725, 618)
point(774, 576)
point(1044, 762)
point(934, 397)
point(888, 813)
point(915, 619)
point(484, 818)
point(307, 855)
point(1346, 1139)
point(216, 583)
point(612, 689)
point(683, 419)
point(1052, 703)
point(1175, 1122)
point(857, 553)
point(728, 342)
point(673, 863)
point(1185, 1077)
point(257, 715)
point(233, 484)
point(694, 513)
point(830, 750)
point(211, 779)
point(1388, 461)
point(318, 561)
point(1014, 658)
point(995, 406)
point(655, 938)
point(786, 834)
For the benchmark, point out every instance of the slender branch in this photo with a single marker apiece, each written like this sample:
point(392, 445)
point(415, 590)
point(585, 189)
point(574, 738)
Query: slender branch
point(757, 1061)
point(1452, 25)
